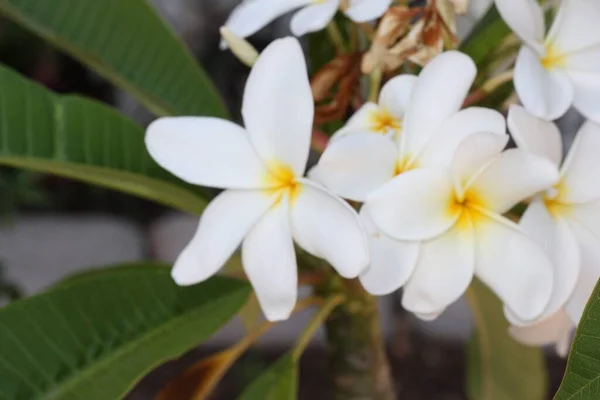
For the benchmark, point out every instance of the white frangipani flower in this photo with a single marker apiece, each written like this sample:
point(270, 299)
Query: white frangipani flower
point(267, 202)
point(360, 160)
point(386, 117)
point(565, 221)
point(457, 213)
point(562, 69)
point(252, 15)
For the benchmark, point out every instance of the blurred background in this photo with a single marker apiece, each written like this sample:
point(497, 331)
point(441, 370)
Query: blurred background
point(51, 227)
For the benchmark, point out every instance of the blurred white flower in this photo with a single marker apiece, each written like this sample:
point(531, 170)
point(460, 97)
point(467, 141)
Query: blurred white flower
point(565, 221)
point(267, 202)
point(562, 69)
point(422, 202)
point(252, 15)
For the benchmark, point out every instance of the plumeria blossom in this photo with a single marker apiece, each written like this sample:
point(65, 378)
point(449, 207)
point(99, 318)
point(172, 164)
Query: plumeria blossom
point(409, 196)
point(457, 213)
point(562, 69)
point(386, 117)
point(267, 201)
point(565, 221)
point(313, 15)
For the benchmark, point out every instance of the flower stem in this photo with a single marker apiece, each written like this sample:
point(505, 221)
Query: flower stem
point(358, 360)
point(375, 79)
point(314, 324)
point(488, 87)
point(336, 36)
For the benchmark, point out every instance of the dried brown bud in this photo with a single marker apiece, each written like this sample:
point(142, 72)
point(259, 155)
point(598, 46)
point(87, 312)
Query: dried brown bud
point(342, 73)
point(435, 26)
point(460, 6)
point(394, 25)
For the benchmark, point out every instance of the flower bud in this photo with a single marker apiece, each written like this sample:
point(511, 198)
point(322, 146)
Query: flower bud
point(240, 47)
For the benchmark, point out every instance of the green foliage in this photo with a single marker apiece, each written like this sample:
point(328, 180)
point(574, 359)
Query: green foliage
point(95, 336)
point(84, 140)
point(582, 376)
point(485, 37)
point(128, 44)
point(320, 50)
point(279, 381)
point(499, 368)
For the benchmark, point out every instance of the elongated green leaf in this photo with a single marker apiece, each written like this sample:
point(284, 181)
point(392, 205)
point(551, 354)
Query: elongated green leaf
point(486, 36)
point(127, 43)
point(499, 368)
point(82, 139)
point(278, 382)
point(94, 337)
point(582, 376)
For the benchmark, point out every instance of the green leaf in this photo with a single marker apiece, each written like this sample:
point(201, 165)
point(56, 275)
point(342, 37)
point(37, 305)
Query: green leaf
point(94, 337)
point(279, 381)
point(127, 43)
point(582, 376)
point(499, 368)
point(486, 36)
point(84, 140)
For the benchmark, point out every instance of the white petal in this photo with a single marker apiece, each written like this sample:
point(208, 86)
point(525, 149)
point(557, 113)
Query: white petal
point(278, 106)
point(206, 151)
point(313, 18)
point(252, 15)
point(587, 93)
point(360, 121)
point(589, 273)
point(327, 227)
point(556, 238)
point(546, 94)
point(270, 262)
point(439, 152)
point(224, 223)
point(354, 165)
point(429, 317)
point(525, 18)
point(416, 205)
point(392, 261)
point(439, 92)
point(535, 135)
point(575, 26)
point(511, 178)
point(585, 60)
point(473, 154)
point(588, 215)
point(395, 94)
point(513, 266)
point(556, 330)
point(367, 10)
point(443, 272)
point(581, 169)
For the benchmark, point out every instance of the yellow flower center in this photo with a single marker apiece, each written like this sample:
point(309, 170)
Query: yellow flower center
point(553, 200)
point(281, 180)
point(404, 165)
point(553, 58)
point(467, 208)
point(382, 122)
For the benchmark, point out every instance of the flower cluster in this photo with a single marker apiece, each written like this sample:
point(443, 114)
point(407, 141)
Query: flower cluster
point(436, 180)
